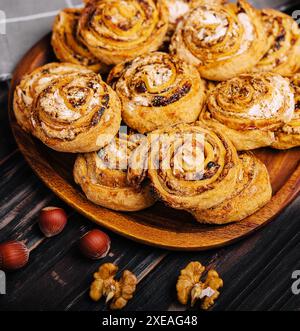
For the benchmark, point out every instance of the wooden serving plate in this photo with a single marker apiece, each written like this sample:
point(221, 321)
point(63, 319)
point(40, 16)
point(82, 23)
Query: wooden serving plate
point(159, 225)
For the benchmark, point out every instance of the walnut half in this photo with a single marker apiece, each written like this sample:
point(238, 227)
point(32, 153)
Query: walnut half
point(190, 287)
point(118, 292)
point(104, 280)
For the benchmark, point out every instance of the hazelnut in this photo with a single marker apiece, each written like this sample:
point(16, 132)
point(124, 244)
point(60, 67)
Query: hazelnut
point(52, 221)
point(95, 244)
point(13, 255)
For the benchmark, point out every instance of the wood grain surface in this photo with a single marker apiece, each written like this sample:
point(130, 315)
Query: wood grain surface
point(158, 225)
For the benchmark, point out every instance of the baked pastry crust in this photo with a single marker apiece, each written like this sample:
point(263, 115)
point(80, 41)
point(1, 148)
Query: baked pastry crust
point(179, 8)
point(283, 53)
point(190, 166)
point(221, 41)
point(33, 83)
point(157, 90)
point(252, 191)
point(115, 30)
point(250, 109)
point(103, 177)
point(289, 135)
point(76, 113)
point(67, 45)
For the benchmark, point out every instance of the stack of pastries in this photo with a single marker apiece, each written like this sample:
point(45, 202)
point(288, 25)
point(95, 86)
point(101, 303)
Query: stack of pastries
point(197, 84)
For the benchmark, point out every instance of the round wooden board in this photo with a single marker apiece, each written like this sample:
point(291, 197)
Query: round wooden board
point(159, 225)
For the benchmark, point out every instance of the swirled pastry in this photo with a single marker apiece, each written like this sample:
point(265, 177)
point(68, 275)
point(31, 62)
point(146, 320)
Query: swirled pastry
point(103, 177)
point(252, 191)
point(179, 8)
point(190, 166)
point(289, 135)
point(221, 41)
point(33, 83)
point(116, 30)
point(250, 108)
point(283, 53)
point(67, 45)
point(76, 113)
point(157, 90)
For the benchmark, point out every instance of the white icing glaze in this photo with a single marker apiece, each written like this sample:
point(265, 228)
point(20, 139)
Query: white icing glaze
point(177, 9)
point(157, 75)
point(282, 94)
point(141, 100)
point(247, 37)
point(44, 82)
point(248, 32)
point(210, 18)
point(56, 107)
point(26, 99)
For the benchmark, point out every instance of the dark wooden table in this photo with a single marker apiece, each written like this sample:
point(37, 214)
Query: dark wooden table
point(256, 271)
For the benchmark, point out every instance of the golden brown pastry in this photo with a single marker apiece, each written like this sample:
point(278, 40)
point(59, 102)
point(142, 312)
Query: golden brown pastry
point(76, 113)
point(250, 108)
point(67, 45)
point(221, 41)
point(210, 85)
point(33, 83)
point(103, 176)
point(190, 166)
point(283, 53)
point(157, 90)
point(116, 30)
point(179, 8)
point(252, 191)
point(289, 135)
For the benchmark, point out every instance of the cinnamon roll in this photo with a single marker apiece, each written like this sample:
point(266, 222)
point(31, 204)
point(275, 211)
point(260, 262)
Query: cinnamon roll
point(102, 176)
point(283, 52)
point(190, 166)
point(32, 84)
point(67, 45)
point(117, 30)
point(252, 191)
point(221, 41)
point(76, 113)
point(250, 108)
point(157, 90)
point(289, 135)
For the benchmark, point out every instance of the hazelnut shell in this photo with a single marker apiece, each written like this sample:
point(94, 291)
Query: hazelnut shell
point(13, 255)
point(95, 244)
point(52, 220)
